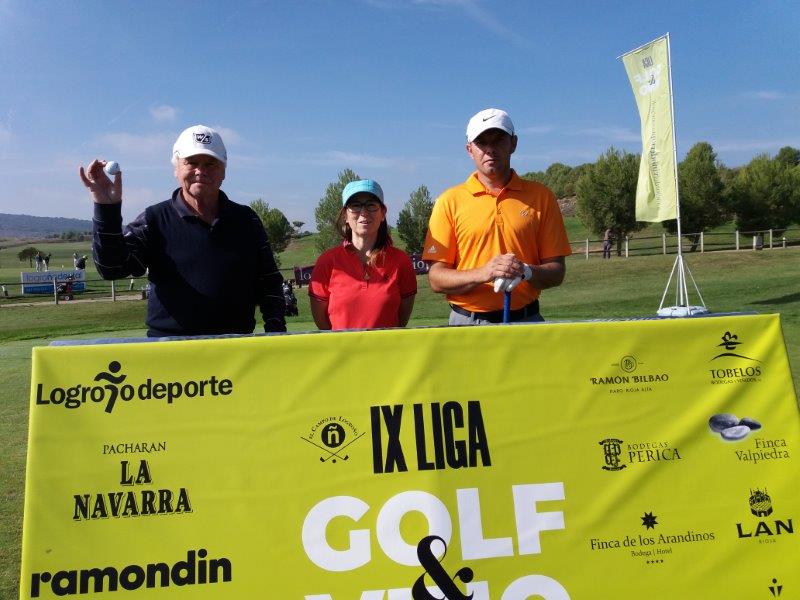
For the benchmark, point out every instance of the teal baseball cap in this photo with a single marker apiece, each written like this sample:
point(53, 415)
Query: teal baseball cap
point(368, 186)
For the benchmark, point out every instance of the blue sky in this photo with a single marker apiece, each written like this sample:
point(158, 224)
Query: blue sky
point(301, 90)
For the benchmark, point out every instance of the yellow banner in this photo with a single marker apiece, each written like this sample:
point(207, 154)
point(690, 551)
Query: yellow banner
point(636, 459)
point(648, 70)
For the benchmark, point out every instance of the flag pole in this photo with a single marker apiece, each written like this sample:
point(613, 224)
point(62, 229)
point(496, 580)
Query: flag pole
point(682, 308)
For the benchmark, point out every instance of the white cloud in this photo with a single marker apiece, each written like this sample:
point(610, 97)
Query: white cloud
point(471, 8)
point(754, 145)
point(536, 129)
point(229, 136)
point(142, 144)
point(5, 135)
point(765, 95)
point(358, 160)
point(610, 133)
point(163, 112)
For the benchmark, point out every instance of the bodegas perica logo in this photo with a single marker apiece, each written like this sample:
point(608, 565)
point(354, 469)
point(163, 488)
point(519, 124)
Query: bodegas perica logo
point(112, 385)
point(731, 364)
point(333, 436)
point(618, 454)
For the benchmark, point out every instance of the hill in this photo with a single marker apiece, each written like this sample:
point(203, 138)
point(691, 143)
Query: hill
point(30, 226)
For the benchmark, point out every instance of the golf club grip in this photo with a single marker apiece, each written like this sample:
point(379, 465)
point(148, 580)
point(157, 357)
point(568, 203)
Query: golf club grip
point(506, 306)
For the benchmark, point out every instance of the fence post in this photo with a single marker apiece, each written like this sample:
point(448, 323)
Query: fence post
point(55, 291)
point(626, 246)
point(737, 239)
point(702, 242)
point(130, 287)
point(113, 291)
point(587, 248)
point(770, 239)
point(663, 243)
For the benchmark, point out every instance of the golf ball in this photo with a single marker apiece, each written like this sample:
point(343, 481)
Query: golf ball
point(111, 168)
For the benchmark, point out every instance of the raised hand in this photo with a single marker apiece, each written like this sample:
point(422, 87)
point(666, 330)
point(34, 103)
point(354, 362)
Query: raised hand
point(103, 190)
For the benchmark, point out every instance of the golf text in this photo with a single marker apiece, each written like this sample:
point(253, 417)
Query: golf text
point(346, 515)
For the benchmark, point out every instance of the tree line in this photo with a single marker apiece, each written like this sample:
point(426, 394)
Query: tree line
point(764, 194)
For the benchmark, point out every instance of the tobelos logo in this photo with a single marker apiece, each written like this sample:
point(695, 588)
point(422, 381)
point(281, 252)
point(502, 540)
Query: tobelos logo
point(112, 386)
point(730, 341)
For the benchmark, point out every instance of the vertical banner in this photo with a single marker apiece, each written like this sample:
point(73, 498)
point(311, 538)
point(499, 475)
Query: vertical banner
point(652, 459)
point(648, 70)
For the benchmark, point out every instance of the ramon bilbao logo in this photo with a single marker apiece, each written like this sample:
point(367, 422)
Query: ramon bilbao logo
point(112, 385)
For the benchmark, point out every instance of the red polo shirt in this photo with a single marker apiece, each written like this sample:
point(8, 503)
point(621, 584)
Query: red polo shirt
point(361, 296)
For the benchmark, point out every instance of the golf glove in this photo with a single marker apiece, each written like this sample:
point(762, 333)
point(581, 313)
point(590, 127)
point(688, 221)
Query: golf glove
point(504, 284)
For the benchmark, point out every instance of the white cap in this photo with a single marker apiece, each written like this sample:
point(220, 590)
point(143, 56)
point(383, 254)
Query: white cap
point(490, 118)
point(199, 139)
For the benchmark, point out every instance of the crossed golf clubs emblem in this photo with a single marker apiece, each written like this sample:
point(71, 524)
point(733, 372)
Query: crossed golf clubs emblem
point(333, 453)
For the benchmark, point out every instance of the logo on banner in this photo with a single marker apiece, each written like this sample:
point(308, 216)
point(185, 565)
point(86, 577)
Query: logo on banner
point(760, 505)
point(734, 365)
point(649, 80)
point(110, 386)
point(612, 449)
point(649, 545)
point(629, 378)
point(333, 436)
point(617, 454)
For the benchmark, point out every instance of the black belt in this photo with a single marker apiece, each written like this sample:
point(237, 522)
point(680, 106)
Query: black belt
point(496, 316)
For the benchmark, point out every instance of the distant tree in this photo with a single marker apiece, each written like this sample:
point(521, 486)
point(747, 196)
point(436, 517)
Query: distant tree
point(279, 230)
point(412, 222)
point(28, 253)
point(766, 194)
point(328, 210)
point(788, 156)
point(560, 178)
point(701, 194)
point(607, 194)
point(298, 226)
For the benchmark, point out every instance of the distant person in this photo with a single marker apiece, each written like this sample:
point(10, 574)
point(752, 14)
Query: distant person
point(608, 240)
point(75, 258)
point(495, 233)
point(366, 282)
point(210, 263)
point(46, 260)
point(80, 264)
point(39, 260)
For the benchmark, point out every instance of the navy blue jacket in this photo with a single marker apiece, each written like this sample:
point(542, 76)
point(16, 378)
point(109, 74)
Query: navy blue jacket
point(204, 279)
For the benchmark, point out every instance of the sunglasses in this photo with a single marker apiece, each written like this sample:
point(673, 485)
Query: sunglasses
point(370, 206)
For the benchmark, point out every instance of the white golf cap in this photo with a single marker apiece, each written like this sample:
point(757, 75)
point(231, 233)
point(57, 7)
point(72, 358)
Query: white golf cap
point(199, 139)
point(490, 118)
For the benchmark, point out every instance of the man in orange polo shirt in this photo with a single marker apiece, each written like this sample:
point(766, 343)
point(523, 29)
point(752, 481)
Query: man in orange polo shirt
point(495, 232)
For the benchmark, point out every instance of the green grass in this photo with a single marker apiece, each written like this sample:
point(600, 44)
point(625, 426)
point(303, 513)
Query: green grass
point(730, 281)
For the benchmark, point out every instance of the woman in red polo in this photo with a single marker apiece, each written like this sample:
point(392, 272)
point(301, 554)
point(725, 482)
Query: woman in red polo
point(366, 282)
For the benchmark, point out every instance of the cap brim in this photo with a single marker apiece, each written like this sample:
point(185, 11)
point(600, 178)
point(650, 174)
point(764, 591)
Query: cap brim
point(207, 153)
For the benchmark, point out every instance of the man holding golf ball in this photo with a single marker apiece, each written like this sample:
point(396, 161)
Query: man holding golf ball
point(495, 234)
point(208, 259)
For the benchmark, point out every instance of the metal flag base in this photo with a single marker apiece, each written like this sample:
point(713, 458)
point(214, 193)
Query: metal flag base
point(682, 307)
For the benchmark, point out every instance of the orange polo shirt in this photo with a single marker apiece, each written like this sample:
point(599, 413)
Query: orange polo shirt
point(469, 226)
